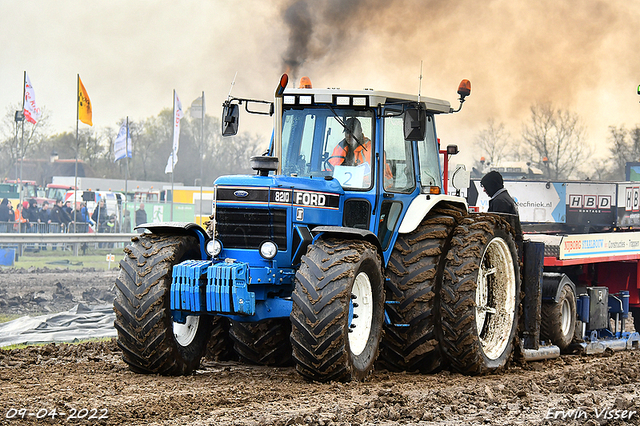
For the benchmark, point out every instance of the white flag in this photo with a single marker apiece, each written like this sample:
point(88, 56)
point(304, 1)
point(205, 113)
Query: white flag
point(177, 115)
point(122, 144)
point(170, 166)
point(31, 111)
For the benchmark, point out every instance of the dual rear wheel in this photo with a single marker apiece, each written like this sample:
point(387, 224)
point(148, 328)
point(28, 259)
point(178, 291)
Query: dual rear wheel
point(479, 298)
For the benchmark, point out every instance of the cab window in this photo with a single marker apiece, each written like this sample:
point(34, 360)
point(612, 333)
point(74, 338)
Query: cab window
point(428, 157)
point(398, 157)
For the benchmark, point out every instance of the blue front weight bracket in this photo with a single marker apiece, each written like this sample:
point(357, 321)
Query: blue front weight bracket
point(185, 285)
point(228, 289)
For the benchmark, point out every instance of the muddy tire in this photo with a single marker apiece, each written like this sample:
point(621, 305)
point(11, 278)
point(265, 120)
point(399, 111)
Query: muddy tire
point(220, 345)
point(414, 278)
point(338, 310)
point(150, 340)
point(559, 319)
point(263, 343)
point(480, 296)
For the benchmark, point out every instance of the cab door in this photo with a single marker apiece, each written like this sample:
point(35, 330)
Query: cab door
point(397, 180)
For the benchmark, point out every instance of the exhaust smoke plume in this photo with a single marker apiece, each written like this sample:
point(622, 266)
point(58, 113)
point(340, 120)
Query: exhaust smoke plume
point(515, 53)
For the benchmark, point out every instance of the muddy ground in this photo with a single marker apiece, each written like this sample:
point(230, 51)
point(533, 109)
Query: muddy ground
point(71, 383)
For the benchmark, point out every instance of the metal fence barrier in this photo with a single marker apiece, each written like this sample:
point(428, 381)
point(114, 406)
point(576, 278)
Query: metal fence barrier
point(63, 241)
point(43, 228)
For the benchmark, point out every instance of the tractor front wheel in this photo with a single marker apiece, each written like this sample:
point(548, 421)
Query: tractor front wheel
point(338, 310)
point(150, 340)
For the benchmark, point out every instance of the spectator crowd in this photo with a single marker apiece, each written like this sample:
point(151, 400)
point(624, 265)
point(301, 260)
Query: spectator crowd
point(59, 217)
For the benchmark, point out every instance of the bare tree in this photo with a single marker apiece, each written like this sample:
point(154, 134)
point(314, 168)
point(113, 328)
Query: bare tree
point(493, 141)
point(624, 146)
point(555, 139)
point(20, 139)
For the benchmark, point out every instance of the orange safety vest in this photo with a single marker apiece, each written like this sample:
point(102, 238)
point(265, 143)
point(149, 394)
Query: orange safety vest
point(19, 217)
point(362, 154)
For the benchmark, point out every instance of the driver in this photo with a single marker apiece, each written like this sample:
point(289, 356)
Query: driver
point(355, 149)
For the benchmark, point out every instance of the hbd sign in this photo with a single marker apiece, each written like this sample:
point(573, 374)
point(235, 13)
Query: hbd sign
point(590, 202)
point(632, 197)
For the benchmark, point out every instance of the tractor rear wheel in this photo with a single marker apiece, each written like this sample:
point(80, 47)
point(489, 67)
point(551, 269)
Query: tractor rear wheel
point(263, 343)
point(559, 319)
point(415, 274)
point(220, 346)
point(150, 340)
point(338, 310)
point(480, 296)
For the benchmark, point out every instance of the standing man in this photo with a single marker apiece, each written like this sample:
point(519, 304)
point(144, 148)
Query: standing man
point(501, 201)
point(43, 216)
point(141, 215)
point(100, 217)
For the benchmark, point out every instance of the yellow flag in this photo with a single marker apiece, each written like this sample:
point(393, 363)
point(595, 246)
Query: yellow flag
point(84, 104)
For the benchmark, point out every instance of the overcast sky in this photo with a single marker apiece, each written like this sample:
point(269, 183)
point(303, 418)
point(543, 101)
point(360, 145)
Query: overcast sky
point(580, 55)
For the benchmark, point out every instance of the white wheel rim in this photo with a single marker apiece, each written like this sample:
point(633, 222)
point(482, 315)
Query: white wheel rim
point(566, 317)
point(360, 326)
point(185, 333)
point(495, 298)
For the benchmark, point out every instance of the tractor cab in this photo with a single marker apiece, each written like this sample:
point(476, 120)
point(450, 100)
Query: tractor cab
point(352, 160)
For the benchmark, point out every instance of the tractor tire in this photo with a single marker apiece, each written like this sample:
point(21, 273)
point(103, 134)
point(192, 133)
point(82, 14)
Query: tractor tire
point(414, 277)
point(559, 319)
point(480, 296)
point(263, 343)
point(338, 310)
point(220, 346)
point(150, 340)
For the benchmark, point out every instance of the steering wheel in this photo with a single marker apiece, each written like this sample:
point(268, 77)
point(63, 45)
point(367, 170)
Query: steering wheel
point(328, 165)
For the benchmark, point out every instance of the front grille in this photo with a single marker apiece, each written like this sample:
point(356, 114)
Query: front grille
point(247, 228)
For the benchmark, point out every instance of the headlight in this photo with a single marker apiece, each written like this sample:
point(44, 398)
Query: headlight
point(214, 247)
point(268, 250)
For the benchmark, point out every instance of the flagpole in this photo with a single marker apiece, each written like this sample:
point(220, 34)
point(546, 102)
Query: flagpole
point(24, 83)
point(75, 184)
point(126, 172)
point(173, 134)
point(202, 150)
point(20, 186)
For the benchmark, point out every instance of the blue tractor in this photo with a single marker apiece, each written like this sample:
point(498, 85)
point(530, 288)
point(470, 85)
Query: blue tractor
point(341, 251)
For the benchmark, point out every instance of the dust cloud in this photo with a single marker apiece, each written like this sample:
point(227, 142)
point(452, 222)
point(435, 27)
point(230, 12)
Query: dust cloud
point(578, 55)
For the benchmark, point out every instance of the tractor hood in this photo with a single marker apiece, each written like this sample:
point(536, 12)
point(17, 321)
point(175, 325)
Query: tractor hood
point(300, 189)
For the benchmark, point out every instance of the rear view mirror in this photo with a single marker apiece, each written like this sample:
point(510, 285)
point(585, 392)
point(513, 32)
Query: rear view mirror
point(230, 115)
point(461, 178)
point(415, 124)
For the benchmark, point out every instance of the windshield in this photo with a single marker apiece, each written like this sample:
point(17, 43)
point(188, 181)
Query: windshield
point(329, 142)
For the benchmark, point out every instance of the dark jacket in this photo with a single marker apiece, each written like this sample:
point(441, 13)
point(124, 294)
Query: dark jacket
point(31, 214)
point(58, 215)
point(4, 212)
point(141, 217)
point(501, 202)
point(45, 215)
point(99, 215)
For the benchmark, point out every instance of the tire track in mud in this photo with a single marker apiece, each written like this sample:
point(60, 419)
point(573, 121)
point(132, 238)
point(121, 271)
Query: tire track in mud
point(93, 375)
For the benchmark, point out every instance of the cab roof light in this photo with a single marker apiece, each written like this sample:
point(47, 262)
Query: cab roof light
point(305, 83)
point(289, 100)
point(343, 100)
point(464, 89)
point(435, 190)
point(305, 100)
point(360, 101)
